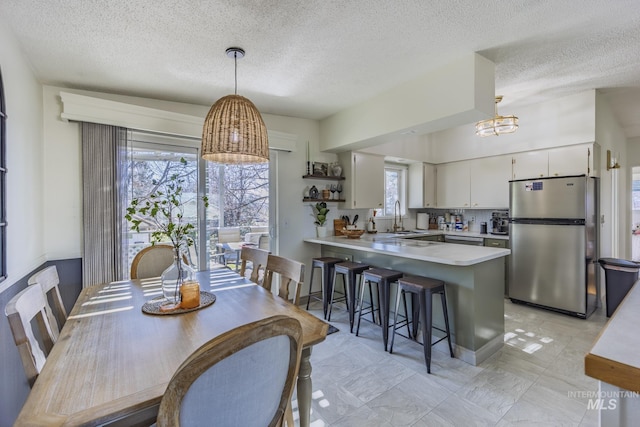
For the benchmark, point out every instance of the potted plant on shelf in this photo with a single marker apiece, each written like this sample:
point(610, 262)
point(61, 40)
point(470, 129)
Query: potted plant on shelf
point(320, 212)
point(163, 210)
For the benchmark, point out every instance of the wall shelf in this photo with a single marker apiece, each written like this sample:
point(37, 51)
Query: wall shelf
point(326, 177)
point(309, 199)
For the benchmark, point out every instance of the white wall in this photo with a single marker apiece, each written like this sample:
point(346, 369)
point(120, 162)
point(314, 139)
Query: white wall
point(457, 92)
point(615, 231)
point(25, 177)
point(564, 121)
point(561, 122)
point(633, 152)
point(63, 184)
point(63, 200)
point(633, 160)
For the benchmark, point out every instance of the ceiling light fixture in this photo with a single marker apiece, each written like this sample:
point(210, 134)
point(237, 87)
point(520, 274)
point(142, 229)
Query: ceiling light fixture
point(233, 131)
point(498, 124)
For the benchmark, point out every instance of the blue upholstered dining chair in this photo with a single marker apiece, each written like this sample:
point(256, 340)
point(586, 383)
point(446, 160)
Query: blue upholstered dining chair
point(244, 377)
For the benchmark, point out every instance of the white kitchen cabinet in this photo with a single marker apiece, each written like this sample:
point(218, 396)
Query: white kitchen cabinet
point(573, 160)
point(453, 185)
point(364, 180)
point(422, 185)
point(490, 182)
point(582, 159)
point(532, 164)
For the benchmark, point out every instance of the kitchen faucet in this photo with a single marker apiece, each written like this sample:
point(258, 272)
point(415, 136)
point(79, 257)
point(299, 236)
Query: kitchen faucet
point(396, 210)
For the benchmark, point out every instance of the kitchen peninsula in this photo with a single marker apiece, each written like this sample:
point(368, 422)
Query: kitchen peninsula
point(474, 277)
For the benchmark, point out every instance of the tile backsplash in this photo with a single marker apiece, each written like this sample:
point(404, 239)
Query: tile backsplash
point(383, 224)
point(473, 216)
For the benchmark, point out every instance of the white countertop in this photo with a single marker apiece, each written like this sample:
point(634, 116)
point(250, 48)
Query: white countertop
point(614, 357)
point(437, 252)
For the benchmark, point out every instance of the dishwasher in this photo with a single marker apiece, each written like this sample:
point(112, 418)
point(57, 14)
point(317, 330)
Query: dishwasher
point(464, 240)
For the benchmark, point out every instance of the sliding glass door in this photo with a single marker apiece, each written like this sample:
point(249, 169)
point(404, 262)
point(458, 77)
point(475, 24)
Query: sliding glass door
point(238, 196)
point(238, 208)
point(150, 167)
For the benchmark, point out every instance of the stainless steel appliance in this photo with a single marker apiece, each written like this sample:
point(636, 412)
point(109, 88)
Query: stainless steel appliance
point(500, 222)
point(554, 243)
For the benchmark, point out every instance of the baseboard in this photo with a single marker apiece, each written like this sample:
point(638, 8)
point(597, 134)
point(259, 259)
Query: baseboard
point(473, 357)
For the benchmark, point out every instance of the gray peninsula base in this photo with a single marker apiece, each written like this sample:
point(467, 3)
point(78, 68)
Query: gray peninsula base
point(475, 297)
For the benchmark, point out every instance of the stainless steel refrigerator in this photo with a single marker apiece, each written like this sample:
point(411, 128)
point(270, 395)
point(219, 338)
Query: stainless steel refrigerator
point(554, 233)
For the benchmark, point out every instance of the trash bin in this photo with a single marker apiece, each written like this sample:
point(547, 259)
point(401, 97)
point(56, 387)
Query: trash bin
point(620, 275)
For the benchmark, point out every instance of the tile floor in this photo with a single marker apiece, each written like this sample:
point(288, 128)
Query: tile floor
point(535, 379)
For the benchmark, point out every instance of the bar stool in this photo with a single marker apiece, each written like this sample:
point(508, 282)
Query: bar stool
point(383, 279)
point(422, 290)
point(325, 264)
point(349, 270)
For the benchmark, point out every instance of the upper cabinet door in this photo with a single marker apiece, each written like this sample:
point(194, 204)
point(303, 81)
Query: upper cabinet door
point(572, 160)
point(534, 164)
point(490, 182)
point(429, 186)
point(422, 185)
point(453, 185)
point(364, 180)
point(368, 180)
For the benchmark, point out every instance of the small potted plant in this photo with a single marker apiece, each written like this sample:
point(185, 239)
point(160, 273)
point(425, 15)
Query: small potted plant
point(320, 212)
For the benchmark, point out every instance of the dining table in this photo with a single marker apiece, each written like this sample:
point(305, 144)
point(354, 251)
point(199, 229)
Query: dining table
point(112, 362)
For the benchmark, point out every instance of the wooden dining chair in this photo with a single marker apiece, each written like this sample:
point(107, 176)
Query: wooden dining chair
point(152, 261)
point(48, 280)
point(21, 310)
point(291, 273)
point(258, 259)
point(225, 383)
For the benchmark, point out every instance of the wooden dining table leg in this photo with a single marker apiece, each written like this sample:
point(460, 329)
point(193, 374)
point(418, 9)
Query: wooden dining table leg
point(305, 388)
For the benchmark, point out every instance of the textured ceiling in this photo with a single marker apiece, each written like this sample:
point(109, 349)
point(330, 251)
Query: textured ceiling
point(313, 58)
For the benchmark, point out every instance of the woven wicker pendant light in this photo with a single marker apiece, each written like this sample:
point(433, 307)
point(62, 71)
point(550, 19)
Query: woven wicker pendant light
point(234, 131)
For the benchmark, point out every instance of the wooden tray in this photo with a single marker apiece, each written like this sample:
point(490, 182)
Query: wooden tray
point(153, 306)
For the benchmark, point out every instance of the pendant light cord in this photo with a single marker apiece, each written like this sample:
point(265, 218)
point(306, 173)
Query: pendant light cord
point(235, 61)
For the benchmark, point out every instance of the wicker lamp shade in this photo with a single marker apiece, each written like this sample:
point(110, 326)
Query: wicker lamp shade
point(234, 132)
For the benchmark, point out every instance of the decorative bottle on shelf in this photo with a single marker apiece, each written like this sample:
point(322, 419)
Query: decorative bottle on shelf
point(174, 276)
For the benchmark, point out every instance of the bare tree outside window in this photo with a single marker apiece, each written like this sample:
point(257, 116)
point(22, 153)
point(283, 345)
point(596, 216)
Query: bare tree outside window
point(149, 172)
point(395, 184)
point(392, 190)
point(238, 195)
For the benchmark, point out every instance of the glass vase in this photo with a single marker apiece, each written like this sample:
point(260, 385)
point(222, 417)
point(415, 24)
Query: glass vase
point(176, 274)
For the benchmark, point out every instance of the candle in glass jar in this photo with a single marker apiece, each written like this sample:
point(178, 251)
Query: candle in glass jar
point(190, 294)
